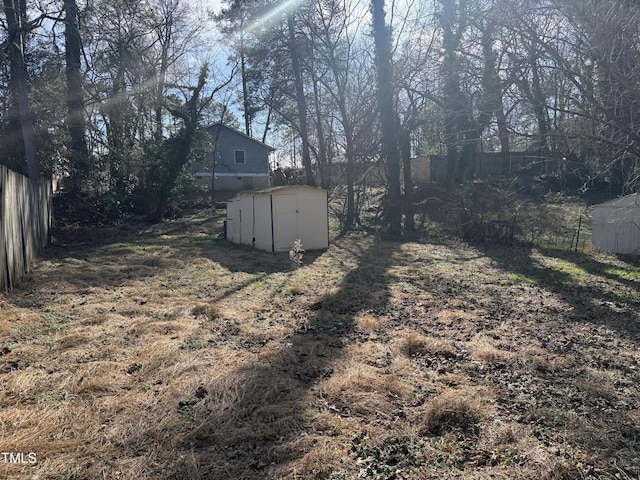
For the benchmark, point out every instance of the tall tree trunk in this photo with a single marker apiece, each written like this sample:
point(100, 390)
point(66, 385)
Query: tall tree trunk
point(532, 90)
point(351, 196)
point(245, 90)
point(267, 125)
point(388, 116)
point(115, 110)
point(503, 133)
point(451, 85)
point(165, 33)
point(15, 12)
point(340, 97)
point(322, 144)
point(405, 149)
point(539, 105)
point(461, 135)
point(300, 100)
point(79, 152)
point(492, 103)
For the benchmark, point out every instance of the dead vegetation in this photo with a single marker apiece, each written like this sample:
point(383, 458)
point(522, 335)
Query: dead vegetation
point(167, 353)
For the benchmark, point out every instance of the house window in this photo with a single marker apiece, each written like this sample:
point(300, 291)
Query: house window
point(239, 157)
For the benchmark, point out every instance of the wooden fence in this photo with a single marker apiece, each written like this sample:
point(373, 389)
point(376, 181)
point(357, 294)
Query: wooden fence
point(25, 224)
point(488, 164)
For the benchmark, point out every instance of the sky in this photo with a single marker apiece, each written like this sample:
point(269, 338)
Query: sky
point(213, 4)
point(219, 52)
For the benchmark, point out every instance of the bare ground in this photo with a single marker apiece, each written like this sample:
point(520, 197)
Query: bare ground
point(167, 353)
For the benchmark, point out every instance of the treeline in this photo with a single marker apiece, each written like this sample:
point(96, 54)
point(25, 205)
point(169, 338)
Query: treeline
point(553, 78)
point(104, 96)
point(106, 93)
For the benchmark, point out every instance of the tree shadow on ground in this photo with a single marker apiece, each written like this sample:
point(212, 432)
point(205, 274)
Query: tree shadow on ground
point(630, 259)
point(583, 319)
point(251, 421)
point(587, 301)
point(600, 269)
point(116, 256)
point(242, 258)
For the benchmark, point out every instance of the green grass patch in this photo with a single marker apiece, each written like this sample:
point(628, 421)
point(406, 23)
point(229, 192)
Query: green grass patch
point(632, 274)
point(574, 271)
point(518, 278)
point(193, 344)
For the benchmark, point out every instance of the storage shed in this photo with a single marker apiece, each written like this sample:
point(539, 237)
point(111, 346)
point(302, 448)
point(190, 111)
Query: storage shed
point(274, 218)
point(616, 225)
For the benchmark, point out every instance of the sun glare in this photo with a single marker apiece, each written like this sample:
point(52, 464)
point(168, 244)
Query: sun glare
point(272, 14)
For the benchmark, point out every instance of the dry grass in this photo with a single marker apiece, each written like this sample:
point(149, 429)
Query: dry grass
point(207, 312)
point(163, 353)
point(452, 410)
point(416, 345)
point(453, 315)
point(360, 389)
point(483, 348)
point(367, 323)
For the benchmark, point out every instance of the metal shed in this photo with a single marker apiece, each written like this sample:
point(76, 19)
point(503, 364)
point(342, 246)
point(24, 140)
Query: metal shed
point(616, 225)
point(274, 218)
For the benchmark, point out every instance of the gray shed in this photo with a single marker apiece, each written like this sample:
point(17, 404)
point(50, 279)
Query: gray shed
point(274, 218)
point(616, 225)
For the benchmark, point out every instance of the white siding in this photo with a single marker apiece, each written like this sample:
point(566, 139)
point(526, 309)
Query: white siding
point(262, 224)
point(246, 219)
point(285, 222)
point(313, 226)
point(616, 225)
point(274, 218)
point(233, 220)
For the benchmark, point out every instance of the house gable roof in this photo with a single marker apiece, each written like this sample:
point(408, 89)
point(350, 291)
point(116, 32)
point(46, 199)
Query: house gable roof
point(238, 132)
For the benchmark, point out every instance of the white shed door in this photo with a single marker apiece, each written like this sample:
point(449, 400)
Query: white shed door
point(285, 222)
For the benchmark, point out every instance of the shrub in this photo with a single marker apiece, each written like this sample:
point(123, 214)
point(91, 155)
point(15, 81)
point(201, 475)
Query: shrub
point(296, 254)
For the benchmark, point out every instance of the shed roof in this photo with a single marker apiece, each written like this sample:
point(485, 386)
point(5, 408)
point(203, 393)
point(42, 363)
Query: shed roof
point(278, 189)
point(632, 200)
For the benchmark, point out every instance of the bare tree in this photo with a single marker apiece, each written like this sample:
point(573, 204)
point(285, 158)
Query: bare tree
point(301, 102)
point(338, 60)
point(17, 26)
point(172, 36)
point(234, 20)
point(599, 53)
point(76, 125)
point(388, 115)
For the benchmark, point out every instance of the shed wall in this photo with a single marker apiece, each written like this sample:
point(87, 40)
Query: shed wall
point(285, 221)
point(246, 219)
point(616, 229)
point(262, 223)
point(274, 219)
point(313, 220)
point(233, 221)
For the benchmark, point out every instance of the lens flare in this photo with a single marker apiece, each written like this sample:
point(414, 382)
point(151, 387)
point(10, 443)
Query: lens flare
point(271, 15)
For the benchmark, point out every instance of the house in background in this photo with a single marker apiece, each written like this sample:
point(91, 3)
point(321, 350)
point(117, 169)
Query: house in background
point(241, 162)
